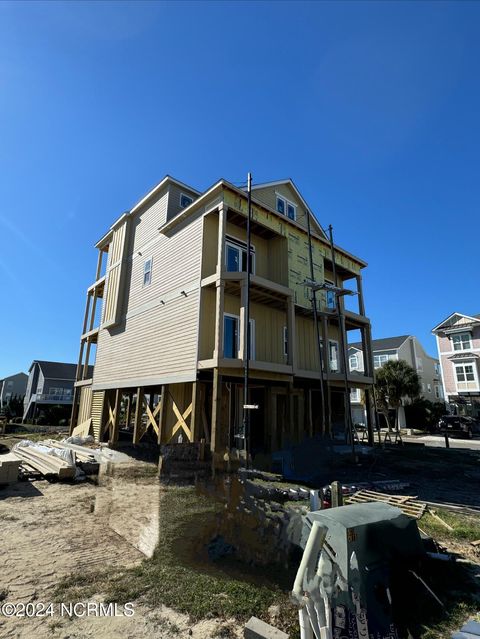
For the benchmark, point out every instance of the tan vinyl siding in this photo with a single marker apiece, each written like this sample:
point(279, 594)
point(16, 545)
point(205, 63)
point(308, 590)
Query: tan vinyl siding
point(146, 223)
point(174, 193)
point(157, 335)
point(85, 407)
point(97, 412)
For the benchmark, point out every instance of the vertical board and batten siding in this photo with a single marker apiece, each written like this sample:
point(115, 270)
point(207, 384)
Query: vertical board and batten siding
point(98, 398)
point(269, 323)
point(210, 244)
point(112, 306)
point(85, 406)
point(158, 333)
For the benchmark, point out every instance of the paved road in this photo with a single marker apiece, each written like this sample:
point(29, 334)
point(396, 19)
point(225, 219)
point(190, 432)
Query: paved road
point(438, 441)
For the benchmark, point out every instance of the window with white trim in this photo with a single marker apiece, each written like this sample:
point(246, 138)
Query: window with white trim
point(353, 361)
point(147, 272)
point(355, 395)
point(438, 392)
point(429, 388)
point(185, 200)
point(287, 208)
point(380, 360)
point(461, 341)
point(333, 355)
point(330, 296)
point(437, 368)
point(236, 256)
point(465, 373)
point(231, 336)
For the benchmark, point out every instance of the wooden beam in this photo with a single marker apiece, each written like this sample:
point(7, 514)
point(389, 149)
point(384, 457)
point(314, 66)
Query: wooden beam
point(163, 412)
point(181, 420)
point(116, 417)
point(137, 428)
point(216, 409)
point(194, 420)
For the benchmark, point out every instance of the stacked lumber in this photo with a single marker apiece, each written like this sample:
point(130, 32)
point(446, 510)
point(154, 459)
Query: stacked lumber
point(84, 457)
point(407, 503)
point(47, 465)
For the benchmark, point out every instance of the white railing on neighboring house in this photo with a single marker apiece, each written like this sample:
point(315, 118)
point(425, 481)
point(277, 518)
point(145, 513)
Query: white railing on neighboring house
point(47, 397)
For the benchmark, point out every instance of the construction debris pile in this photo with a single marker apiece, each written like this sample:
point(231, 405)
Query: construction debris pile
point(50, 459)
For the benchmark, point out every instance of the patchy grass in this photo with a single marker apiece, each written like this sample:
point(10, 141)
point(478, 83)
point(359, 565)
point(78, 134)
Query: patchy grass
point(465, 527)
point(180, 575)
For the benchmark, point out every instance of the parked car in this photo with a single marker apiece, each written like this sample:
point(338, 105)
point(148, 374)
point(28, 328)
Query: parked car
point(458, 424)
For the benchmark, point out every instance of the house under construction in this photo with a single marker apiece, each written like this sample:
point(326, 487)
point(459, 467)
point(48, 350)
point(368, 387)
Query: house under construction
point(165, 318)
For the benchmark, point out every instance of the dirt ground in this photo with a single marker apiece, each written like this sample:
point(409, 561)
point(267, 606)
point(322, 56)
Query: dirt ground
point(48, 531)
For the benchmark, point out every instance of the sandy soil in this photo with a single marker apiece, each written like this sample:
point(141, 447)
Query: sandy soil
point(49, 530)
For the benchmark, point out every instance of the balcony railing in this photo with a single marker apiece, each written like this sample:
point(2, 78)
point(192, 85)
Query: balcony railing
point(49, 397)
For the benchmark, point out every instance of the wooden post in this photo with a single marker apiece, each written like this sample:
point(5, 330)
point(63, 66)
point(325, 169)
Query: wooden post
point(195, 416)
point(326, 368)
point(128, 411)
point(216, 410)
point(116, 421)
point(220, 285)
point(337, 494)
point(273, 422)
point(163, 412)
point(138, 416)
point(290, 415)
point(361, 302)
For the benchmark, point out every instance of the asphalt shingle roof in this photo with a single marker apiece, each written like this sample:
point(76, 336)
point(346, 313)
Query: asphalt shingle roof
point(385, 343)
point(59, 370)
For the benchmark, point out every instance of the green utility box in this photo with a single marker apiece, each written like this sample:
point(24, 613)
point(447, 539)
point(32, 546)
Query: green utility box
point(365, 567)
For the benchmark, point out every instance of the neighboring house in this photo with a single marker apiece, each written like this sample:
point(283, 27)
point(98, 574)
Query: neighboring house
point(49, 384)
point(404, 347)
point(12, 386)
point(166, 317)
point(458, 343)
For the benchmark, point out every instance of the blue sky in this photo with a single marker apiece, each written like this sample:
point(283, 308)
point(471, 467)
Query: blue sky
point(371, 107)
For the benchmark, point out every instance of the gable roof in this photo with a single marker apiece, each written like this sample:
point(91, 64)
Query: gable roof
point(474, 318)
point(289, 182)
point(58, 370)
point(385, 343)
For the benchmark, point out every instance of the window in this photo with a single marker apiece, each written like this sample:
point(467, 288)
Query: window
point(419, 364)
point(10, 384)
point(355, 395)
point(461, 342)
point(380, 360)
point(353, 361)
point(284, 207)
point(185, 200)
point(285, 341)
point(465, 373)
point(230, 336)
point(330, 296)
point(236, 256)
point(438, 392)
point(429, 388)
point(333, 355)
point(437, 368)
point(147, 272)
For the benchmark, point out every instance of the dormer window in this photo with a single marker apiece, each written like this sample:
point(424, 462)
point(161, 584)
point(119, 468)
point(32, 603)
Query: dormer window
point(185, 200)
point(285, 207)
point(461, 341)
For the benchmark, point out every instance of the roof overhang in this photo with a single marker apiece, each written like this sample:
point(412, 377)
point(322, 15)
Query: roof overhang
point(474, 320)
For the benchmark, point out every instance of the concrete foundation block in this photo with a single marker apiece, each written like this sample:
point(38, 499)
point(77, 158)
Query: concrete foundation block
point(258, 629)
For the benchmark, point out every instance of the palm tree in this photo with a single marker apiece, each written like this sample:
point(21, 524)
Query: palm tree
point(395, 381)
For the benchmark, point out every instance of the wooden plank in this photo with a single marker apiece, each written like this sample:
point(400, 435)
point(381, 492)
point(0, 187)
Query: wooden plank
point(83, 429)
point(137, 429)
point(181, 423)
